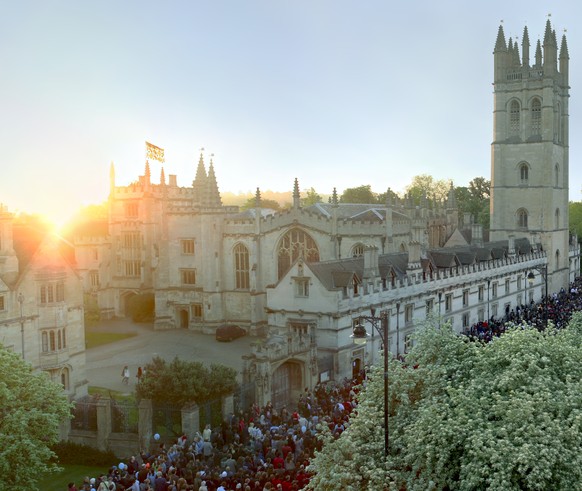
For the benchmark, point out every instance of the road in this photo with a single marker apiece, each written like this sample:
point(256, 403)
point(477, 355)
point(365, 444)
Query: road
point(104, 363)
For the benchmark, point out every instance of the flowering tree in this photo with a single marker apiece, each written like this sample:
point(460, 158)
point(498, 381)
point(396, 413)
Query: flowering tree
point(31, 411)
point(462, 415)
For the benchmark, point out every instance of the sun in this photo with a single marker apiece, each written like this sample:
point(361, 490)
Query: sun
point(55, 222)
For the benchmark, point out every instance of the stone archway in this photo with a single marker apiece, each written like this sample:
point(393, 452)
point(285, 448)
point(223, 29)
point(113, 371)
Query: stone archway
point(286, 384)
point(124, 303)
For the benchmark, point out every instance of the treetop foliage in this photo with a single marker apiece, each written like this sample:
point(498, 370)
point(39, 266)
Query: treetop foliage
point(180, 382)
point(463, 415)
point(32, 409)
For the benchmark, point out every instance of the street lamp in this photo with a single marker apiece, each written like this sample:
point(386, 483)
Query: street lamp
point(21, 301)
point(543, 270)
point(488, 299)
point(360, 337)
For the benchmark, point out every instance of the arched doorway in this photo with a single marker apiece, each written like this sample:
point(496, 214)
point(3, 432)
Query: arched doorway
point(125, 303)
point(184, 319)
point(287, 383)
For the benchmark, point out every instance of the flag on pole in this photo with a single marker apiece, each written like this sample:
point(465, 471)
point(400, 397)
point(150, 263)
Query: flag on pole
point(154, 153)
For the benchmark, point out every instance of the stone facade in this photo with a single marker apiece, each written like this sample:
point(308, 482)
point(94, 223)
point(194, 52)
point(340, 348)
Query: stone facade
point(301, 278)
point(41, 308)
point(529, 181)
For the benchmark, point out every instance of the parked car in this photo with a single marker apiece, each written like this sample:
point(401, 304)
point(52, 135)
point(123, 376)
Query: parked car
point(229, 332)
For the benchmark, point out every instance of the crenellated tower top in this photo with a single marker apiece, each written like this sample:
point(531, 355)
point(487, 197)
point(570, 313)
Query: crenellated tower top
point(507, 63)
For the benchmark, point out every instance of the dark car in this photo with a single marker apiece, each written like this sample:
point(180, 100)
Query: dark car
point(229, 332)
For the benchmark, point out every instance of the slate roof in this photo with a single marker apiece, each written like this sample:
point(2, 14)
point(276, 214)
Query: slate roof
point(355, 211)
point(251, 214)
point(341, 272)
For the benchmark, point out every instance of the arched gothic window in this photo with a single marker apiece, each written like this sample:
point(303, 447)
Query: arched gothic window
point(536, 117)
point(524, 173)
point(514, 117)
point(522, 218)
point(557, 258)
point(241, 267)
point(358, 250)
point(557, 175)
point(294, 244)
point(557, 218)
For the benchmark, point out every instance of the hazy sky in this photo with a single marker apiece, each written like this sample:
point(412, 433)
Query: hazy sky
point(335, 93)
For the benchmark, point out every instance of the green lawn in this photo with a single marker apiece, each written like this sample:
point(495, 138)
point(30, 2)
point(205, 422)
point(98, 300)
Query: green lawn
point(93, 339)
point(118, 396)
point(70, 473)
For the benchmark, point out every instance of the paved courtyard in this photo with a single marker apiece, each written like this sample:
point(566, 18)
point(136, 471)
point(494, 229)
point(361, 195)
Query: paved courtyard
point(104, 363)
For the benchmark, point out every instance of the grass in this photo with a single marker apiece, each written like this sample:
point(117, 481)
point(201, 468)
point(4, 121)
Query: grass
point(94, 339)
point(70, 473)
point(114, 394)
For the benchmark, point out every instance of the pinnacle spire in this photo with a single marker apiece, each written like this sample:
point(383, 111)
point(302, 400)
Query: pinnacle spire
point(147, 173)
point(112, 176)
point(334, 196)
point(564, 49)
point(548, 32)
point(258, 198)
point(296, 195)
point(212, 193)
point(162, 177)
point(525, 46)
point(538, 54)
point(199, 184)
point(500, 42)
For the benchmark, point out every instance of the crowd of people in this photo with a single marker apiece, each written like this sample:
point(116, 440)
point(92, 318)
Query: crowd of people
point(556, 309)
point(259, 450)
point(268, 450)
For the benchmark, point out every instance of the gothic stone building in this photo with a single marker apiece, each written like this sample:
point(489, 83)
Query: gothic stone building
point(300, 278)
point(41, 306)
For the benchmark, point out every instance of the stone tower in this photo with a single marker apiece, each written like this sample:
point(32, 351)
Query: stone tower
point(529, 157)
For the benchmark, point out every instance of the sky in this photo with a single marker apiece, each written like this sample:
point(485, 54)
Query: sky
point(334, 93)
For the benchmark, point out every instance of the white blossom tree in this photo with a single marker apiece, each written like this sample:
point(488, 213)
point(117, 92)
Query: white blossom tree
point(467, 416)
point(31, 411)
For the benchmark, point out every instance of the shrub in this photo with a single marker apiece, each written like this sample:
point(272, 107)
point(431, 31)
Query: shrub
point(70, 453)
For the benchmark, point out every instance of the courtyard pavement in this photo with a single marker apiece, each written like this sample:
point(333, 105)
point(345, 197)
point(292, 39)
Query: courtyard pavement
point(104, 363)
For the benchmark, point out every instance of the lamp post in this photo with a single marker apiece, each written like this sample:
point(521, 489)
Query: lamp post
point(440, 300)
point(488, 317)
point(360, 337)
point(21, 301)
point(543, 270)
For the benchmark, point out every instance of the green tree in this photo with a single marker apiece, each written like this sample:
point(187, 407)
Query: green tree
point(425, 184)
point(575, 213)
point(31, 411)
point(182, 382)
point(311, 197)
point(500, 416)
point(265, 203)
point(361, 194)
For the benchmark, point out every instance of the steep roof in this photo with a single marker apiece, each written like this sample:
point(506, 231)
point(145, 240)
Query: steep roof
point(340, 273)
point(354, 211)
